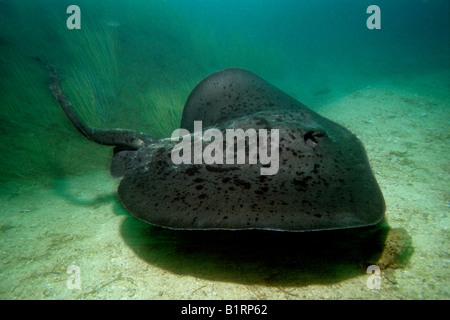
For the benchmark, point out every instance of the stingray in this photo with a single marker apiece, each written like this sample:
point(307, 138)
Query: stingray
point(324, 180)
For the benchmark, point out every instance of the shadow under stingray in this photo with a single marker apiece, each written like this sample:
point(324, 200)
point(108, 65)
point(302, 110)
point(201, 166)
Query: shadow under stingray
point(62, 188)
point(256, 256)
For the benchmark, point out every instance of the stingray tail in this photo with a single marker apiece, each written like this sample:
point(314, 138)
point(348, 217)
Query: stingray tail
point(124, 139)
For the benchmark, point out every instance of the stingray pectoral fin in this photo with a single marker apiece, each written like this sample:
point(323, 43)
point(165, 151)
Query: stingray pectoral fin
point(125, 160)
point(121, 162)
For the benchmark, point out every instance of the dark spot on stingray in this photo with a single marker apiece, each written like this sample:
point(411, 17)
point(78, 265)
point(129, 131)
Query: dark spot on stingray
point(263, 123)
point(242, 183)
point(219, 169)
point(192, 170)
point(316, 167)
point(301, 184)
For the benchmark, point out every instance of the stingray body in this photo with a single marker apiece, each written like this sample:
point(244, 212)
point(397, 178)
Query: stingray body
point(324, 179)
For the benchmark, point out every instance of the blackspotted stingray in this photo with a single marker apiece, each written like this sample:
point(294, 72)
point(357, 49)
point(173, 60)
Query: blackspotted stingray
point(324, 180)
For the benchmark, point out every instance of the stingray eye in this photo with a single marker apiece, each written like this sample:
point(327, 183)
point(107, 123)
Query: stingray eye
point(312, 138)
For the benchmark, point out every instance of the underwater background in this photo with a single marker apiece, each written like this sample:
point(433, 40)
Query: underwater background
point(133, 64)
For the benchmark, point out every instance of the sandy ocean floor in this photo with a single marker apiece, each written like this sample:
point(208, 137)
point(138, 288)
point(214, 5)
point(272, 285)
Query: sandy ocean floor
point(404, 124)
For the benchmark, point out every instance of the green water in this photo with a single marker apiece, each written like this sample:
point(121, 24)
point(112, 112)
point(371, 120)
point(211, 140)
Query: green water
point(133, 64)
